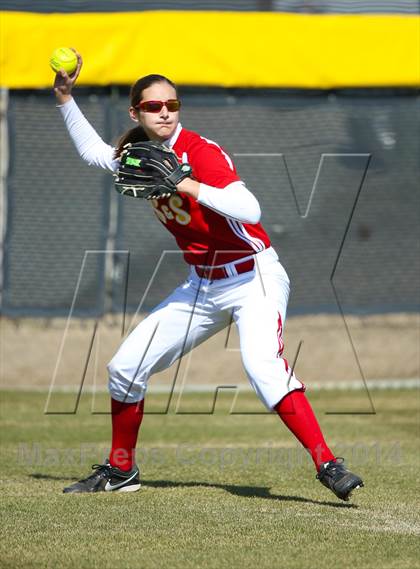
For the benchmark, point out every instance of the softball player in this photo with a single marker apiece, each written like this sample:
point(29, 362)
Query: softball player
point(234, 271)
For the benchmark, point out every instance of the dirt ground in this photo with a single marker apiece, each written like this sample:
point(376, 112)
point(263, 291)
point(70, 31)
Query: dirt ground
point(36, 352)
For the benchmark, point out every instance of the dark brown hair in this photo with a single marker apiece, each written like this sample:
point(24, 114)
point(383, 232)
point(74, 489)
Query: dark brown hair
point(138, 134)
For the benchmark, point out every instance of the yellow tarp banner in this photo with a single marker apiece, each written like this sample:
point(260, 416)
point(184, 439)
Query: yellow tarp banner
point(241, 49)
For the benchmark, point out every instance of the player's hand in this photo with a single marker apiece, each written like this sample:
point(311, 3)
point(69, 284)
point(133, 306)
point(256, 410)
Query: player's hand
point(63, 83)
point(189, 187)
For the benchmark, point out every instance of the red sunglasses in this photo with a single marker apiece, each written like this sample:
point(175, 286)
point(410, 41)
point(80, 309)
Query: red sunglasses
point(172, 105)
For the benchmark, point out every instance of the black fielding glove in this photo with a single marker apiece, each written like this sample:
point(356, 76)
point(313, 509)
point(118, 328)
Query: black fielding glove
point(149, 170)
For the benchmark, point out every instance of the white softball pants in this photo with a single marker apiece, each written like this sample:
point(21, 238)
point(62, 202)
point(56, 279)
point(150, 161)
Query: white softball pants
point(199, 308)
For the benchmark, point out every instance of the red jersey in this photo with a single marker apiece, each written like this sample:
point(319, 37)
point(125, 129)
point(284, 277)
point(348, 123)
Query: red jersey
point(205, 236)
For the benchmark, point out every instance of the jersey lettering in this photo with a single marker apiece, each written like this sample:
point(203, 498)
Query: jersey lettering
point(182, 216)
point(168, 213)
point(160, 215)
point(174, 211)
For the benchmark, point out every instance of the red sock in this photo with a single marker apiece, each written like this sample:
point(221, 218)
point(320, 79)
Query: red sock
point(126, 421)
point(297, 414)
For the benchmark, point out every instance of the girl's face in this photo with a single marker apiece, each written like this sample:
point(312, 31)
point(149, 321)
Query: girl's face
point(159, 125)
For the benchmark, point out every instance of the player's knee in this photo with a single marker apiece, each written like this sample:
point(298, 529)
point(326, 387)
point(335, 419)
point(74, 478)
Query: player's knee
point(119, 371)
point(124, 368)
point(124, 384)
point(253, 364)
point(259, 367)
point(113, 368)
point(115, 378)
point(114, 371)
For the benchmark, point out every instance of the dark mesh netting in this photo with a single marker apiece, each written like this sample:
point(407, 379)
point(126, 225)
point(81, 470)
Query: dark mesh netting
point(336, 176)
point(58, 210)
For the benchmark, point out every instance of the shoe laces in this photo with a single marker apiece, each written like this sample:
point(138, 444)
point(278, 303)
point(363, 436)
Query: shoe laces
point(330, 467)
point(100, 470)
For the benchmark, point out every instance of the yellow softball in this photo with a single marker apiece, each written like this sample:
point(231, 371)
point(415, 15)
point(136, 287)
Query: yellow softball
point(63, 58)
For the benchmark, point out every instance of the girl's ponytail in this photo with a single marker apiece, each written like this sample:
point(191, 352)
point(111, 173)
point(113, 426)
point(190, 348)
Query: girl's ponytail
point(136, 134)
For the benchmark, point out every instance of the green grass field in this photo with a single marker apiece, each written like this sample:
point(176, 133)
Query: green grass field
point(218, 490)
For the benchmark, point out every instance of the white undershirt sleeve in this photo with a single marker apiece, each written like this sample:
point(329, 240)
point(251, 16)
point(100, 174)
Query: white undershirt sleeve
point(89, 144)
point(234, 201)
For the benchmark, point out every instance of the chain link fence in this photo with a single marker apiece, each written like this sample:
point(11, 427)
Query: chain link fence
point(336, 175)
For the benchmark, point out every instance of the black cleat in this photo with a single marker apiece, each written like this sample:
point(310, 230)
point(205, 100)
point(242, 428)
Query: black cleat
point(336, 477)
point(107, 478)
